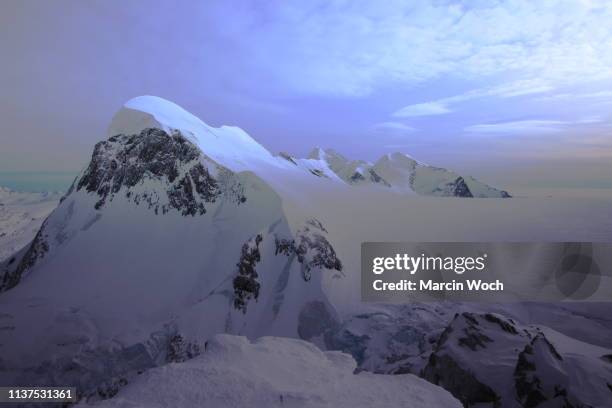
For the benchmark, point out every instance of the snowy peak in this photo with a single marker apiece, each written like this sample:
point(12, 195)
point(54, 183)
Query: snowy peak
point(350, 171)
point(397, 159)
point(227, 145)
point(153, 112)
point(329, 155)
point(316, 154)
point(406, 174)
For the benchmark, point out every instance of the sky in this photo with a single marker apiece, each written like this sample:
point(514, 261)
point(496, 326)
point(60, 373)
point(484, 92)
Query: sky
point(513, 92)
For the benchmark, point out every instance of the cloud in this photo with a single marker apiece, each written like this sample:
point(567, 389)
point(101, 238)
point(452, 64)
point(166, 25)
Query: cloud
point(423, 109)
point(393, 128)
point(569, 96)
point(532, 126)
point(520, 126)
point(506, 90)
point(519, 88)
point(353, 48)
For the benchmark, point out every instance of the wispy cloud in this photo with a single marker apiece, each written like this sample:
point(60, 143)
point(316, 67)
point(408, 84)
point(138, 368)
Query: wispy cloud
point(531, 126)
point(423, 109)
point(506, 90)
point(520, 126)
point(569, 96)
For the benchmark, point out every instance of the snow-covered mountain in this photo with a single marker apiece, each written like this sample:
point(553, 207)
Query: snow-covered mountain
point(350, 171)
point(405, 174)
point(169, 218)
point(177, 231)
point(486, 358)
point(396, 171)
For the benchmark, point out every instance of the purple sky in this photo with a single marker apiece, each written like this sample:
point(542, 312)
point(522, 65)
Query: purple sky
point(515, 92)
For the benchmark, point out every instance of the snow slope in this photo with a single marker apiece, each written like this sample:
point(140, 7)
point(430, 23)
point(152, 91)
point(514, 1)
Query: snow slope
point(273, 372)
point(486, 358)
point(21, 214)
point(227, 145)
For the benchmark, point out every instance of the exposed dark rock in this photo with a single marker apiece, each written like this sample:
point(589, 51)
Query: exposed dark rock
point(287, 157)
point(318, 173)
point(530, 386)
point(473, 337)
point(316, 223)
point(311, 248)
point(444, 371)
point(180, 350)
point(246, 286)
point(457, 368)
point(125, 161)
point(37, 250)
point(506, 326)
point(458, 188)
point(357, 177)
point(374, 177)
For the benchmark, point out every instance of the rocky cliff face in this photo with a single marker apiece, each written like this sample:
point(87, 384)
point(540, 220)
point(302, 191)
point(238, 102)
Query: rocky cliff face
point(455, 188)
point(125, 161)
point(308, 250)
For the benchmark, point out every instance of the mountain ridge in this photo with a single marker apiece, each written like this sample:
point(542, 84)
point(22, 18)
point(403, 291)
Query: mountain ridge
point(230, 146)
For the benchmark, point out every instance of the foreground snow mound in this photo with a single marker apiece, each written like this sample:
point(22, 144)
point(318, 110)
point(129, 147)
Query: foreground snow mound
point(274, 372)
